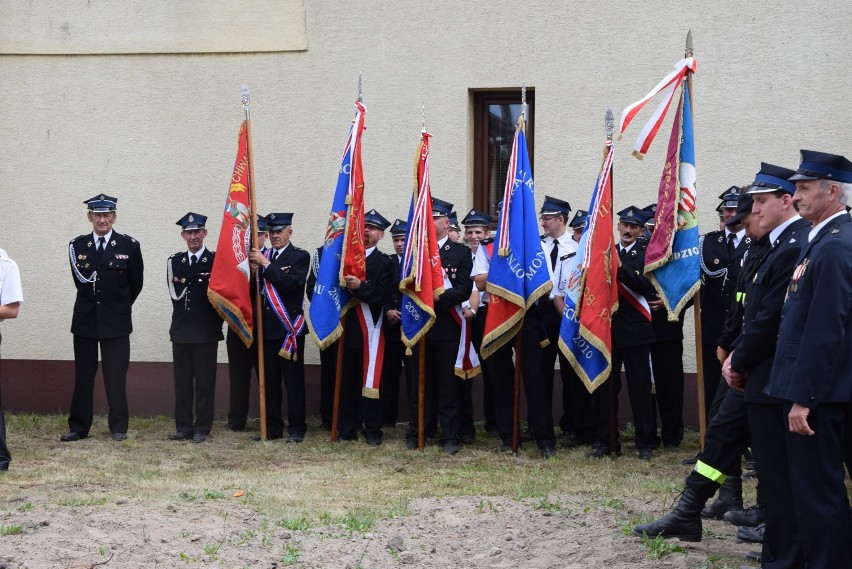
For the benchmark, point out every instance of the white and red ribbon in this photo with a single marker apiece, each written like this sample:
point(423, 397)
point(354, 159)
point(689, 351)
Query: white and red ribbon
point(374, 350)
point(670, 83)
point(467, 361)
point(294, 327)
point(637, 300)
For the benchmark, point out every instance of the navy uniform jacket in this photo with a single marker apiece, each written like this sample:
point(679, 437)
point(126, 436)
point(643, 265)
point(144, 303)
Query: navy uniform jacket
point(754, 349)
point(103, 307)
point(375, 291)
point(718, 278)
point(734, 316)
point(813, 361)
point(287, 274)
point(457, 264)
point(629, 326)
point(194, 320)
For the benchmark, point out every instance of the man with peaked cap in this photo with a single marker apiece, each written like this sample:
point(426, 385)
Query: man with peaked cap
point(362, 356)
point(242, 359)
point(558, 246)
point(749, 363)
point(107, 268)
point(284, 270)
point(578, 223)
point(632, 336)
point(718, 466)
point(720, 257)
point(195, 332)
point(812, 369)
point(650, 212)
point(442, 339)
point(477, 233)
point(455, 229)
point(394, 348)
point(11, 297)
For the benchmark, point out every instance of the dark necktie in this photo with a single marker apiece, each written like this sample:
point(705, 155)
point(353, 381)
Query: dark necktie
point(275, 256)
point(192, 260)
point(554, 254)
point(101, 245)
point(731, 245)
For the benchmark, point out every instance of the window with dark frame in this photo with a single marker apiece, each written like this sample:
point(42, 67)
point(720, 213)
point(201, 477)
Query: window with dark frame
point(495, 114)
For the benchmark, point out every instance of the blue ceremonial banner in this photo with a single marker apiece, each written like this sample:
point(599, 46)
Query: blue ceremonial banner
point(331, 299)
point(589, 288)
point(672, 261)
point(518, 274)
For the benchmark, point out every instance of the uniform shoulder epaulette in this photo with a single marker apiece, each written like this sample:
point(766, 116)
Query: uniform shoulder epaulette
point(543, 237)
point(486, 241)
point(173, 255)
point(83, 236)
point(568, 256)
point(711, 234)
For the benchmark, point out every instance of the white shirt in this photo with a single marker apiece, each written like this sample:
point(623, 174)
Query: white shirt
point(567, 245)
point(10, 281)
point(773, 235)
point(198, 254)
point(106, 238)
point(738, 236)
point(626, 248)
point(815, 231)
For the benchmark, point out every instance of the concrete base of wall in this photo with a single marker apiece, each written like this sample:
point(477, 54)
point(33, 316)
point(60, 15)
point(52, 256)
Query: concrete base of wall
point(45, 386)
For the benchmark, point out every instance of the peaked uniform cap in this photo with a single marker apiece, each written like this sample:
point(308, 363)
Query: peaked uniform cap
point(399, 227)
point(579, 219)
point(440, 208)
point(375, 219)
point(192, 221)
point(454, 221)
point(730, 197)
point(278, 221)
point(476, 218)
point(743, 209)
point(823, 166)
point(773, 178)
point(101, 203)
point(554, 206)
point(633, 215)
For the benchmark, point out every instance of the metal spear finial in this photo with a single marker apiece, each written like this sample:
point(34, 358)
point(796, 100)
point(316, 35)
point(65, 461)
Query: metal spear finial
point(244, 94)
point(524, 101)
point(609, 123)
point(360, 99)
point(689, 50)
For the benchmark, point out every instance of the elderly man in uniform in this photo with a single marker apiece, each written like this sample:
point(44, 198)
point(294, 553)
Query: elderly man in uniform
point(812, 370)
point(107, 268)
point(442, 339)
point(360, 389)
point(283, 275)
point(11, 297)
point(632, 336)
point(241, 359)
point(195, 332)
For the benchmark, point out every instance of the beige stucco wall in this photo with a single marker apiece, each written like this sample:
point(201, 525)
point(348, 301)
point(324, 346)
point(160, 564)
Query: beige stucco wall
point(159, 131)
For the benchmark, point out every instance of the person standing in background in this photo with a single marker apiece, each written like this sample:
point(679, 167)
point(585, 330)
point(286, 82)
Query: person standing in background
point(11, 297)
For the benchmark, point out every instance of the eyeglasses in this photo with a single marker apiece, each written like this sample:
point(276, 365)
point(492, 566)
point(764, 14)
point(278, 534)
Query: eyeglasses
point(548, 217)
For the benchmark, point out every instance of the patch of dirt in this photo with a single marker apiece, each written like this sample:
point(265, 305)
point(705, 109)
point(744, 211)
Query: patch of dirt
point(489, 532)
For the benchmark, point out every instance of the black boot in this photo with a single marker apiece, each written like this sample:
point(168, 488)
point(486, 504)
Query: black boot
point(730, 499)
point(684, 522)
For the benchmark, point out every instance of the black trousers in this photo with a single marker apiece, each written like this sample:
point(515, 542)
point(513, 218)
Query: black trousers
point(391, 371)
point(712, 372)
point(357, 411)
point(292, 373)
point(724, 442)
point(537, 387)
point(241, 361)
point(195, 382)
point(819, 492)
point(667, 364)
point(5, 455)
point(637, 366)
point(328, 377)
point(781, 545)
point(115, 356)
point(487, 383)
point(501, 368)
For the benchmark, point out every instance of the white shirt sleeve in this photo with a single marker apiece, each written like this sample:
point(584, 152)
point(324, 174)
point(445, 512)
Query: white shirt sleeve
point(481, 262)
point(10, 282)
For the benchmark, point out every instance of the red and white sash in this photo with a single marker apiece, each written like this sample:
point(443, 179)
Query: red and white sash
point(637, 300)
point(467, 361)
point(294, 328)
point(374, 350)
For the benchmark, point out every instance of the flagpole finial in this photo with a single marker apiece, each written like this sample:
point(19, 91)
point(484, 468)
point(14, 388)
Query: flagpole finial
point(246, 97)
point(360, 99)
point(524, 101)
point(609, 122)
point(689, 50)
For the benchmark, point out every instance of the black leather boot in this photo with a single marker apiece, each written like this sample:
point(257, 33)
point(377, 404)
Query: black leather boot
point(730, 499)
point(684, 522)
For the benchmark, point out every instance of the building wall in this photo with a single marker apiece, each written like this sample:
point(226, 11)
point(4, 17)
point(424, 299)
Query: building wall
point(156, 125)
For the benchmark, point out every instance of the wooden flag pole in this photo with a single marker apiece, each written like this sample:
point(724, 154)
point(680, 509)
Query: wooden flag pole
point(609, 128)
point(261, 373)
point(696, 307)
point(338, 379)
point(421, 394)
point(516, 394)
